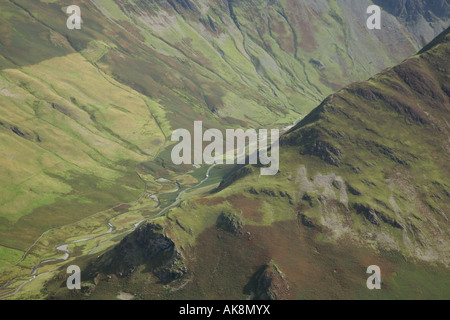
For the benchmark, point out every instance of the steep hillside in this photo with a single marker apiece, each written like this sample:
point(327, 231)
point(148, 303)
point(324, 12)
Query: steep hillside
point(279, 59)
point(228, 63)
point(363, 180)
point(86, 114)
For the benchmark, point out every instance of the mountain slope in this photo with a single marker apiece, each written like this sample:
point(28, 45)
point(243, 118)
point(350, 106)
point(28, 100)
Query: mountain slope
point(363, 180)
point(228, 63)
point(85, 114)
point(277, 58)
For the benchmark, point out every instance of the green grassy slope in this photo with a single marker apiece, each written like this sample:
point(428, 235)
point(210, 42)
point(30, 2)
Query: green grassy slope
point(70, 141)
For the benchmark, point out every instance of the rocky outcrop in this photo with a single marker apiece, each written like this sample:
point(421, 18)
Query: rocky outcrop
point(148, 246)
point(374, 216)
point(230, 222)
point(271, 283)
point(425, 19)
point(325, 151)
point(20, 132)
point(173, 269)
point(306, 221)
point(412, 10)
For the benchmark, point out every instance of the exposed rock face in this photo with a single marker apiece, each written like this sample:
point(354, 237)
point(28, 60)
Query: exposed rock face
point(306, 221)
point(147, 245)
point(230, 222)
point(374, 215)
point(411, 10)
point(271, 284)
point(173, 269)
point(325, 151)
point(423, 18)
